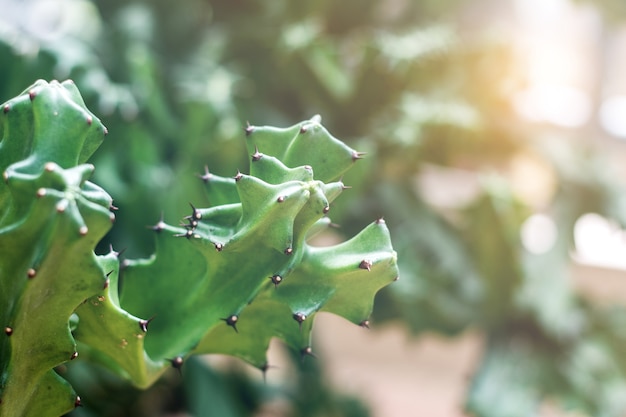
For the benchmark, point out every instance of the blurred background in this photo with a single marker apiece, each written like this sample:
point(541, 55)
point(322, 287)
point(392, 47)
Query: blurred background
point(495, 137)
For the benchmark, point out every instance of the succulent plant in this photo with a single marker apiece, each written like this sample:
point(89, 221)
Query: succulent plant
point(227, 280)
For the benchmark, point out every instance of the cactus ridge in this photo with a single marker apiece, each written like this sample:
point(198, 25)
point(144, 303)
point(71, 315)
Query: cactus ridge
point(52, 217)
point(228, 279)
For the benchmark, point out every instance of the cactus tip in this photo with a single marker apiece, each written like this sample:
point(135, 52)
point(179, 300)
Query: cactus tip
point(31, 273)
point(8, 330)
point(218, 246)
point(326, 209)
point(83, 230)
point(365, 324)
point(32, 94)
point(6, 108)
point(380, 220)
point(5, 176)
point(74, 355)
point(49, 166)
point(288, 251)
point(77, 402)
point(280, 199)
point(238, 176)
point(105, 130)
point(89, 120)
point(41, 192)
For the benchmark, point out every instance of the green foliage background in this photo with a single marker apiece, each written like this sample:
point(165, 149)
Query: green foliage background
point(411, 83)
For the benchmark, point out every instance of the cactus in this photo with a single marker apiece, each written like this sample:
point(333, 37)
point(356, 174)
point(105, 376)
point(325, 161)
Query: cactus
point(227, 280)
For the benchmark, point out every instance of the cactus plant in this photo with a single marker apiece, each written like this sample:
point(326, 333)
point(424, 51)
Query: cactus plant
point(227, 280)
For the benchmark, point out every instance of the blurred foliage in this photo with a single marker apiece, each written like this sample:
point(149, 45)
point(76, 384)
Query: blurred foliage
point(416, 84)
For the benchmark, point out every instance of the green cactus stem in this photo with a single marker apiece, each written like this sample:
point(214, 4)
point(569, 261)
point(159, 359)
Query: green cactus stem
point(231, 278)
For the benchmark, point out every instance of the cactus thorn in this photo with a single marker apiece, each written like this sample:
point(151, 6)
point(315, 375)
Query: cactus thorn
point(358, 155)
point(49, 166)
point(396, 278)
point(219, 247)
point(206, 176)
point(248, 129)
point(304, 128)
point(307, 351)
point(256, 156)
point(143, 324)
point(32, 94)
point(280, 199)
point(77, 402)
point(366, 264)
point(83, 230)
point(288, 251)
point(334, 225)
point(276, 279)
point(188, 234)
point(365, 324)
point(5, 175)
point(160, 225)
point(41, 192)
point(112, 207)
point(232, 321)
point(177, 362)
point(105, 130)
point(31, 273)
point(107, 281)
point(6, 108)
point(380, 220)
point(326, 209)
point(89, 120)
point(195, 213)
point(74, 355)
point(299, 317)
point(238, 176)
point(8, 331)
